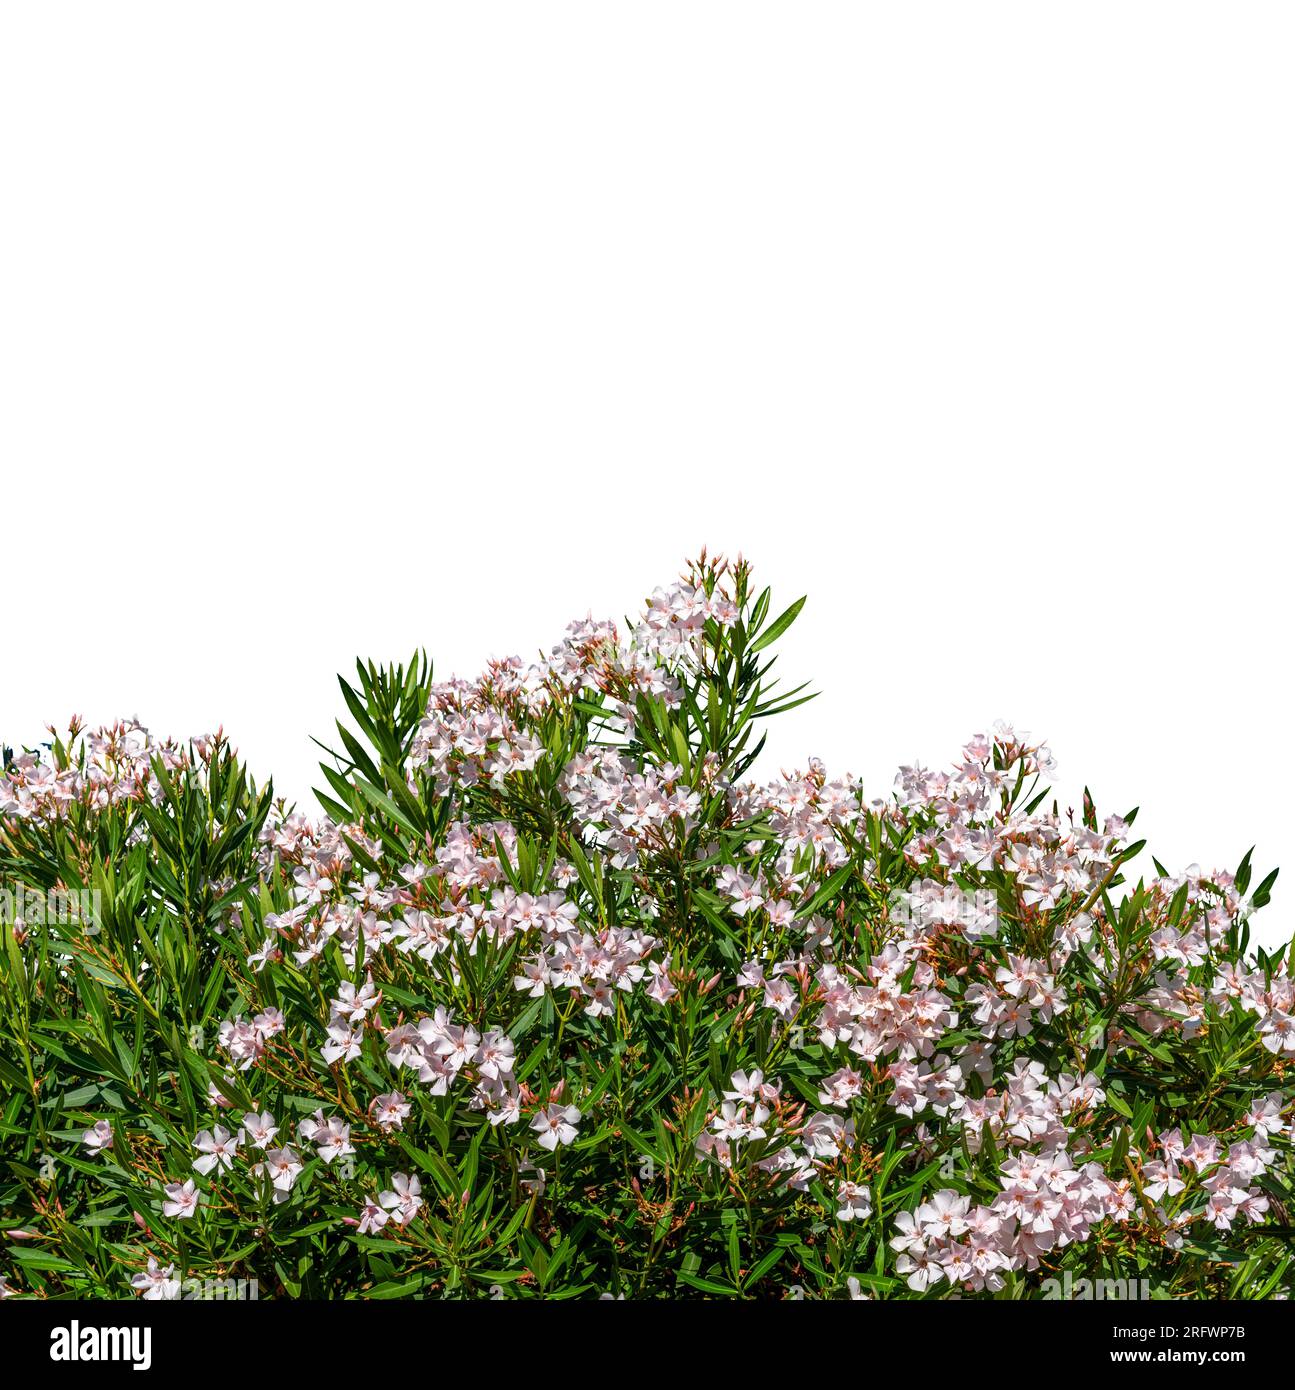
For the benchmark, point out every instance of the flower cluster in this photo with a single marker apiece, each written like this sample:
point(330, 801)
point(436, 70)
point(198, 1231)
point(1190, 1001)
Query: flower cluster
point(1045, 1203)
point(89, 770)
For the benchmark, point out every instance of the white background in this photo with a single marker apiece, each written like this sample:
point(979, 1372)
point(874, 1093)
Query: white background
point(336, 329)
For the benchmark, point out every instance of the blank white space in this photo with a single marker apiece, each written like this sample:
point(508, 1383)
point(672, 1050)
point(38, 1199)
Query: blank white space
point(335, 329)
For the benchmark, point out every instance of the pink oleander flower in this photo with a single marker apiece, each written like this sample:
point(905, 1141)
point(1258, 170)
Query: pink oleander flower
point(217, 1147)
point(556, 1124)
point(155, 1283)
point(99, 1137)
point(402, 1200)
point(181, 1199)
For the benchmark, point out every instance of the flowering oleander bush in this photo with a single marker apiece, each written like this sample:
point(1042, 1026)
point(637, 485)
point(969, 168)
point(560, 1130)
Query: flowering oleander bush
point(556, 1001)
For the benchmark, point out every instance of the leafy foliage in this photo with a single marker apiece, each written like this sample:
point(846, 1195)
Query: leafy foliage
point(553, 1003)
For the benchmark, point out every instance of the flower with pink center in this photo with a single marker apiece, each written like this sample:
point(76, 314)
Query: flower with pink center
point(556, 1124)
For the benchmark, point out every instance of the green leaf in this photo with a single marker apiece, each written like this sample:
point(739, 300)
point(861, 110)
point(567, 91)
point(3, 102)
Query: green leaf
point(779, 625)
